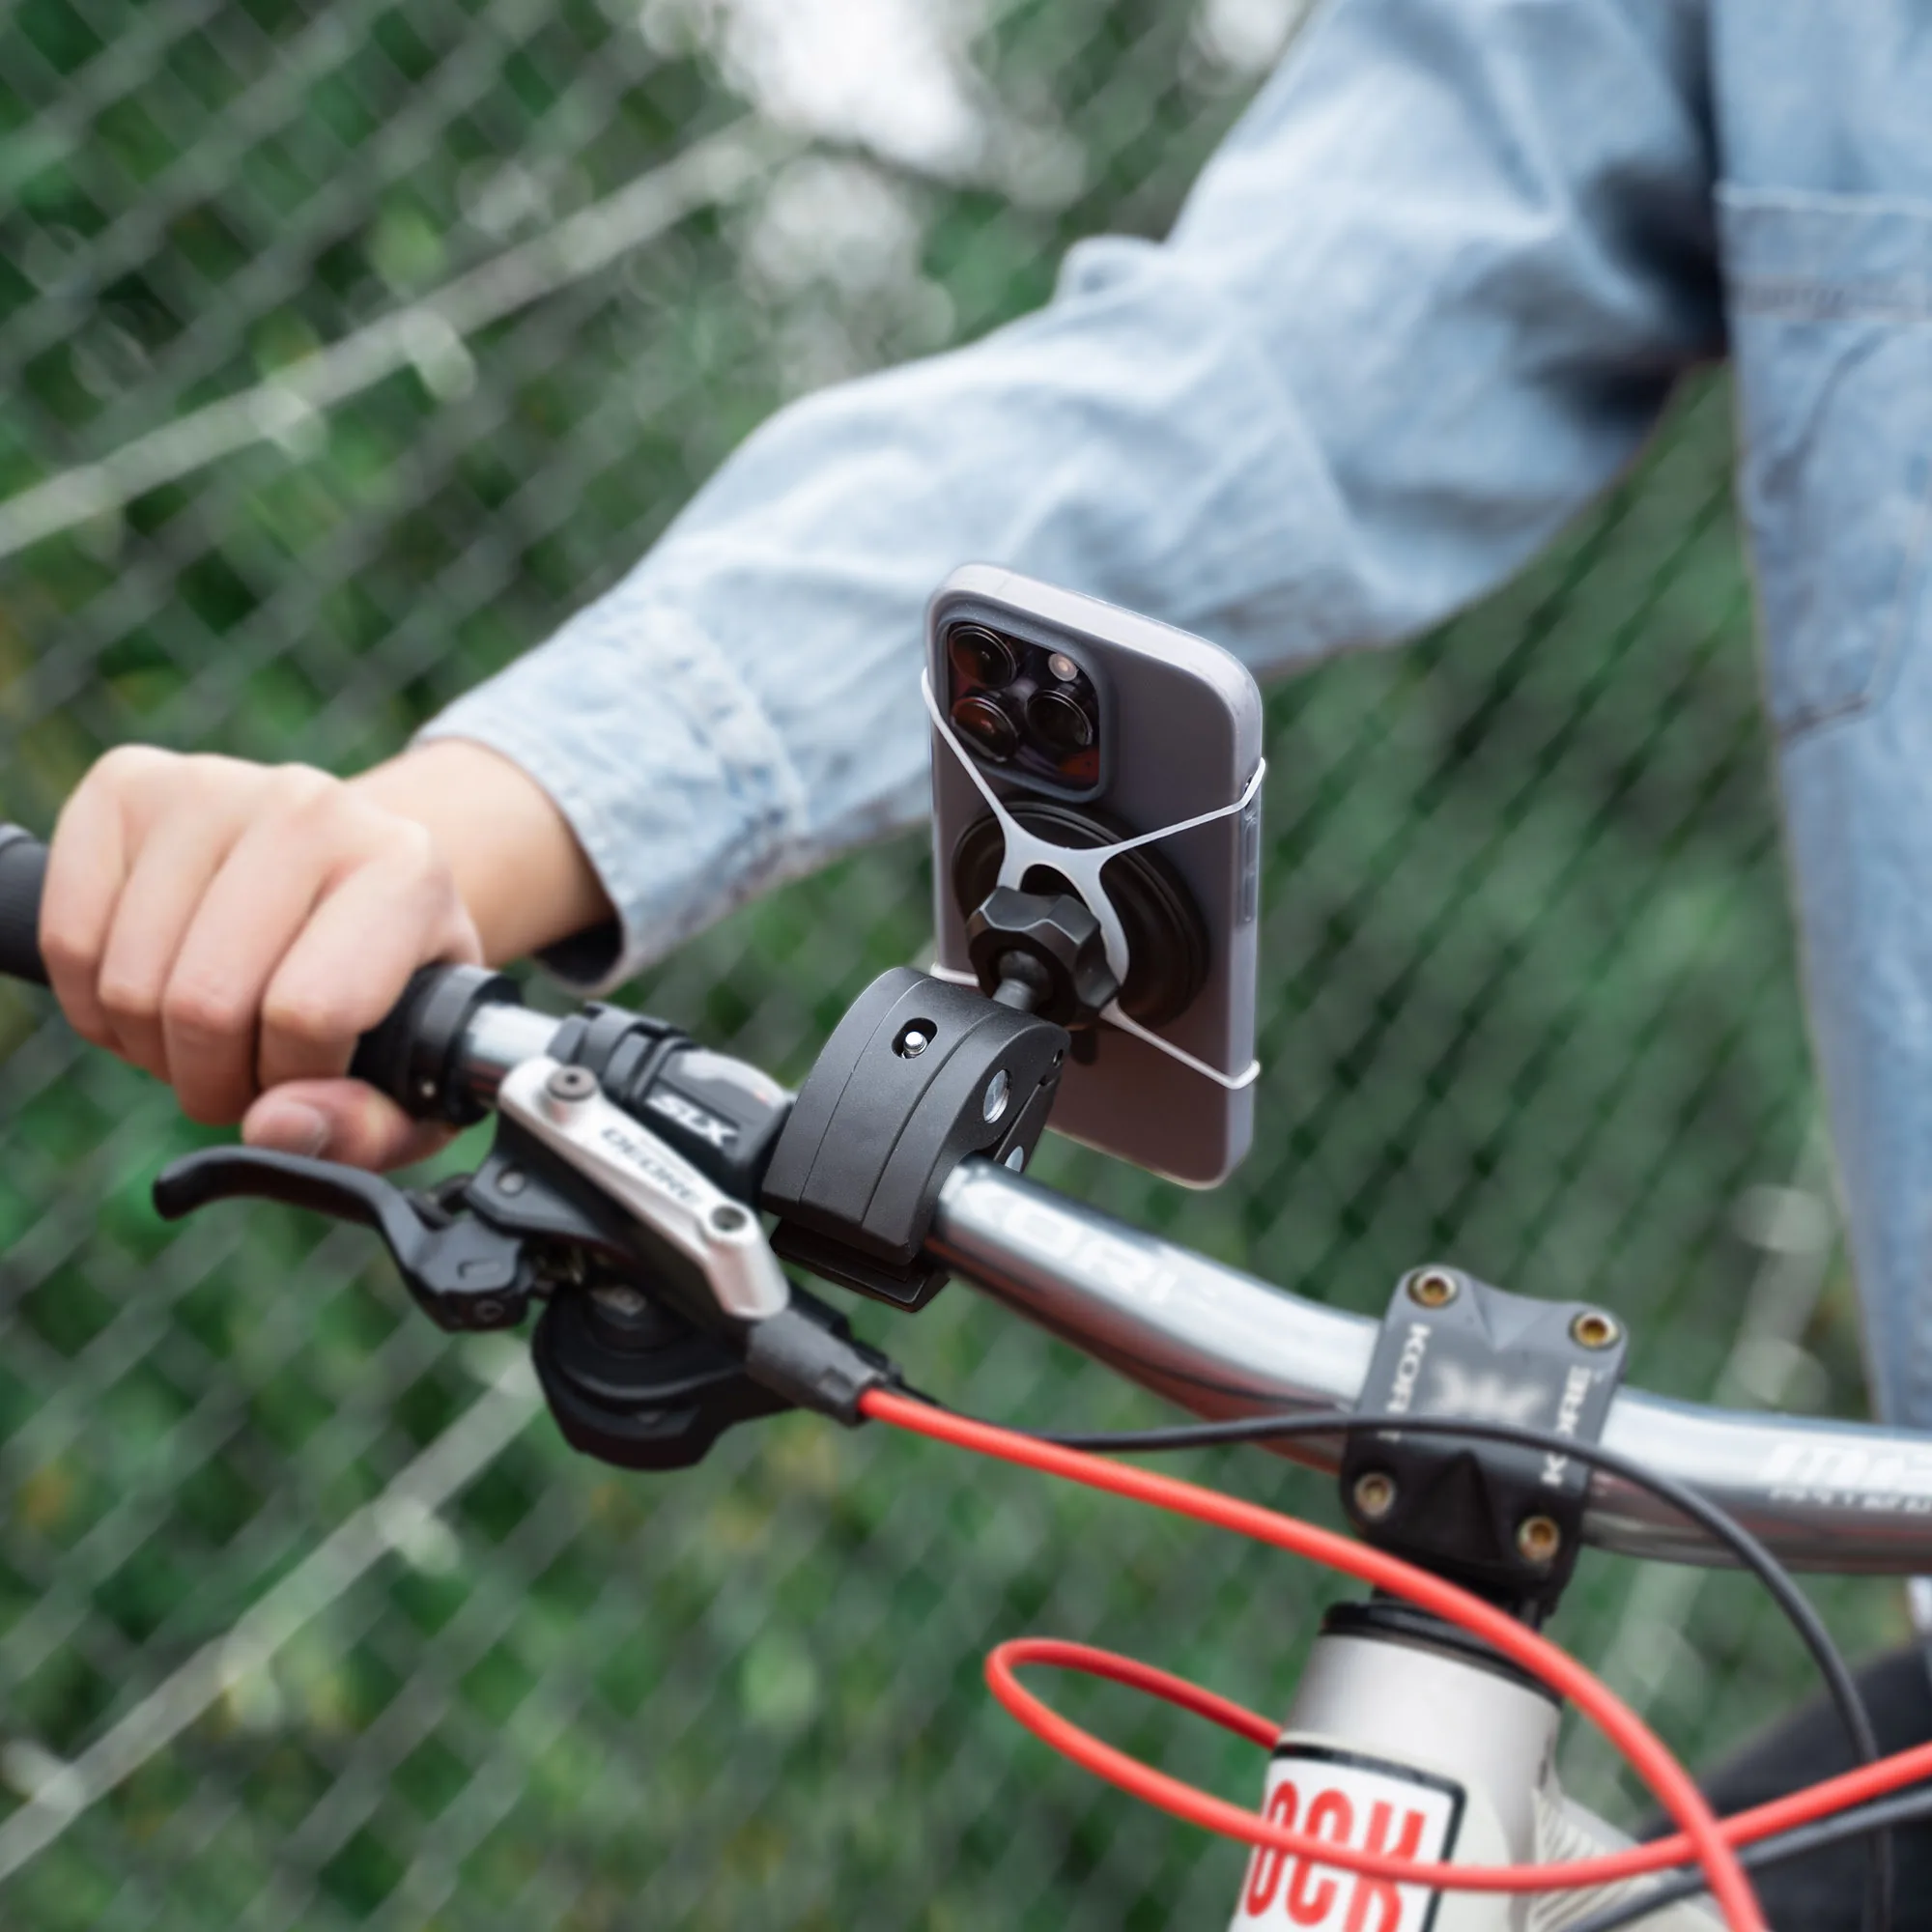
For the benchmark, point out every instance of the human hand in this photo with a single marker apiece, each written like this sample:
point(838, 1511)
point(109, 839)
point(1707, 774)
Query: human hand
point(233, 928)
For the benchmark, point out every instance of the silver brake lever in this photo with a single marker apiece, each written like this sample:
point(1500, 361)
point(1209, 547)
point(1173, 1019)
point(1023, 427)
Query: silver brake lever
point(564, 1108)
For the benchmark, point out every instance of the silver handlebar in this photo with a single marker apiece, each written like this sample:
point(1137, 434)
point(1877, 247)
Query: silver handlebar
point(1846, 1497)
point(1840, 1496)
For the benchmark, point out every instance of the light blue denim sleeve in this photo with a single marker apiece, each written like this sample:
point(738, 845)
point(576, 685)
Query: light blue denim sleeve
point(1426, 301)
point(1825, 225)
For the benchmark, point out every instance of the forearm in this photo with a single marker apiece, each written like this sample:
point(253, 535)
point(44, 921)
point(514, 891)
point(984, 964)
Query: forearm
point(1406, 327)
point(519, 868)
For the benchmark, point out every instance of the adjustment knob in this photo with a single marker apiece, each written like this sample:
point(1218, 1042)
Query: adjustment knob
point(1042, 955)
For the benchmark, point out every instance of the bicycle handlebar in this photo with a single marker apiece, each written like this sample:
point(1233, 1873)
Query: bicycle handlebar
point(1839, 1496)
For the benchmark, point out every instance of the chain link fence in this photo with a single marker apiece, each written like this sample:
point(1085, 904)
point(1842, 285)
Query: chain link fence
point(346, 349)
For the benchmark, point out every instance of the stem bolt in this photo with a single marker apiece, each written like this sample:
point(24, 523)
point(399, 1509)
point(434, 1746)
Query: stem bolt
point(1538, 1539)
point(1374, 1495)
point(1433, 1287)
point(1594, 1330)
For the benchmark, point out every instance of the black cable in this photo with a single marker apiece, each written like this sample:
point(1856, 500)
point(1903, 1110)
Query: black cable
point(1750, 1554)
point(1821, 1834)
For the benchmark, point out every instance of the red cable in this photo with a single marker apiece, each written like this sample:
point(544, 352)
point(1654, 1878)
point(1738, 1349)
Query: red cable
point(1199, 1807)
point(1645, 1753)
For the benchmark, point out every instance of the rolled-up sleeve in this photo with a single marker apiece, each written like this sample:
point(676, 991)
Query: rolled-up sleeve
point(1427, 299)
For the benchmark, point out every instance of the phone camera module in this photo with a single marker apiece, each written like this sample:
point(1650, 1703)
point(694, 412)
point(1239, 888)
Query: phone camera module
point(1060, 722)
point(982, 655)
point(986, 727)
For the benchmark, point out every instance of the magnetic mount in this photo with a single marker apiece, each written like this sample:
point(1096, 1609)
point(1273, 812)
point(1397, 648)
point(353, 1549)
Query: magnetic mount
point(1043, 933)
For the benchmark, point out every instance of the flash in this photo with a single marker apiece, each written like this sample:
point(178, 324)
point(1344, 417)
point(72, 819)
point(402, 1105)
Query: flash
point(1063, 668)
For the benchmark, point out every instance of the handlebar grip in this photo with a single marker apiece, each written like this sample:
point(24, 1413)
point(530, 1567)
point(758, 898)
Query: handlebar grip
point(411, 1056)
point(24, 871)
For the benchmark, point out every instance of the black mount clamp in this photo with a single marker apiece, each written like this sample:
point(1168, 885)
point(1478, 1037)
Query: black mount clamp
point(917, 1076)
point(1501, 1518)
point(921, 1074)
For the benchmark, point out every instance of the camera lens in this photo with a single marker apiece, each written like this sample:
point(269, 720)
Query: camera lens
point(1060, 722)
point(982, 655)
point(986, 727)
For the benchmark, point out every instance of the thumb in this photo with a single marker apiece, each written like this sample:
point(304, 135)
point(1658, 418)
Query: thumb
point(340, 1120)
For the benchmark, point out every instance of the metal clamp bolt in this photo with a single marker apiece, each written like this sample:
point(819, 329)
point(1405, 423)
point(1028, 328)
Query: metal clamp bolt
point(1594, 1330)
point(1433, 1287)
point(999, 1088)
point(1374, 1495)
point(571, 1083)
point(1539, 1539)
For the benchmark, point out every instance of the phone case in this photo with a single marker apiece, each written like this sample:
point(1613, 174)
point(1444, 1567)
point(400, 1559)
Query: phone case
point(1180, 735)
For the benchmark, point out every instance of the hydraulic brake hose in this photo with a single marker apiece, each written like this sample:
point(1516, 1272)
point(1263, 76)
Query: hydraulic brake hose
point(1646, 1753)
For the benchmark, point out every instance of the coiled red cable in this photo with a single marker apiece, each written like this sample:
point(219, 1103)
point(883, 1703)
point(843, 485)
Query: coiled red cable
point(1197, 1808)
point(1645, 1753)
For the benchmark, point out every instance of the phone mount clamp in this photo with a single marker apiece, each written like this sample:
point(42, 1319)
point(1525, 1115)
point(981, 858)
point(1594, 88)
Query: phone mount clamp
point(1501, 1518)
point(918, 1075)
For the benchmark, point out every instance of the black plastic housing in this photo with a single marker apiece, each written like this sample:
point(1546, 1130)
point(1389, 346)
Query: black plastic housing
point(410, 1054)
point(882, 1121)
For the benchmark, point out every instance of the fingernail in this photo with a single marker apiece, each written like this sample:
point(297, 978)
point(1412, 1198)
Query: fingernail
point(292, 1127)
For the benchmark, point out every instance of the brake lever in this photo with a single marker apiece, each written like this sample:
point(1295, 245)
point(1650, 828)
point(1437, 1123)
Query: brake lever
point(463, 1273)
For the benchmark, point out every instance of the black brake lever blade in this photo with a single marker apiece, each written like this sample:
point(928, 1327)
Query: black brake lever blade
point(466, 1274)
point(348, 1193)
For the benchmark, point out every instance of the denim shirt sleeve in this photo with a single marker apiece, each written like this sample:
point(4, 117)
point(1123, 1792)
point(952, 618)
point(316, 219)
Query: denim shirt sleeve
point(1428, 296)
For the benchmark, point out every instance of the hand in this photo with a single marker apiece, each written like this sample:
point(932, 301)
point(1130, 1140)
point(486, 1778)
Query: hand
point(233, 928)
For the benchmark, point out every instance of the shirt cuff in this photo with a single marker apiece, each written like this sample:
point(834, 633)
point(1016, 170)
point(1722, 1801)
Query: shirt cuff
point(663, 761)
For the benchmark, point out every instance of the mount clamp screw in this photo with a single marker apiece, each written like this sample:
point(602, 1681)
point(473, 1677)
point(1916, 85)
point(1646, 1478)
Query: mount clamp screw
point(1539, 1539)
point(1374, 1495)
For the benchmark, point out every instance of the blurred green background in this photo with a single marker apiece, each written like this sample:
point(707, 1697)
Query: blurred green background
point(306, 1617)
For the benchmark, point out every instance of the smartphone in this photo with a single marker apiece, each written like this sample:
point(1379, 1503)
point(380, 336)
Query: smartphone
point(1091, 725)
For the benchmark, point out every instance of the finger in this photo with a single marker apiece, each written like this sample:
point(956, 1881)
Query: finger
point(165, 881)
point(250, 914)
point(87, 865)
point(352, 959)
point(340, 1120)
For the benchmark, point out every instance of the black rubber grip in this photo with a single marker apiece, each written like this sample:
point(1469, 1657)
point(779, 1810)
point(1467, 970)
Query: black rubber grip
point(411, 1056)
point(24, 871)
